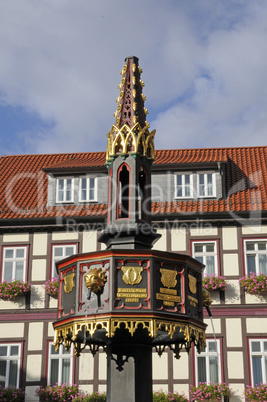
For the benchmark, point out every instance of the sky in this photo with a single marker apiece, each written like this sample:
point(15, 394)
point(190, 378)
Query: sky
point(204, 66)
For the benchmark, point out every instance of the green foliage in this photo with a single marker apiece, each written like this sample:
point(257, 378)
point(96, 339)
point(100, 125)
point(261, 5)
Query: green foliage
point(94, 397)
point(210, 391)
point(161, 396)
point(11, 394)
point(9, 290)
point(256, 393)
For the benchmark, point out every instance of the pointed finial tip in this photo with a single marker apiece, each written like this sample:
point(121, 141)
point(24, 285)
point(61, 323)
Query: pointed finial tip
point(131, 57)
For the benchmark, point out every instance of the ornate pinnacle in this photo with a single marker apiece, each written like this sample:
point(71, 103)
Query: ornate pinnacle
point(131, 99)
point(130, 134)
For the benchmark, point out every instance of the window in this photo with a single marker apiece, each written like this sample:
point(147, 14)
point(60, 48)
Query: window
point(64, 190)
point(183, 186)
point(88, 189)
point(206, 252)
point(9, 365)
point(59, 252)
point(208, 363)
point(256, 256)
point(258, 361)
point(60, 365)
point(14, 263)
point(206, 185)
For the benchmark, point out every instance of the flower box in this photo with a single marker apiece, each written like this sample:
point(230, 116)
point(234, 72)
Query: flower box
point(256, 393)
point(214, 282)
point(10, 290)
point(210, 392)
point(254, 284)
point(51, 287)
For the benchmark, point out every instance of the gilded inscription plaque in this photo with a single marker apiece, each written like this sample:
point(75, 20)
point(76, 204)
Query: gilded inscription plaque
point(168, 278)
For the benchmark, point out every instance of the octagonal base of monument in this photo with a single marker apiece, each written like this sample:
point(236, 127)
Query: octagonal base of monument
point(123, 331)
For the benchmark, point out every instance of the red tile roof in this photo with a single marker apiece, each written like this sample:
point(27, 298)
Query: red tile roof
point(24, 183)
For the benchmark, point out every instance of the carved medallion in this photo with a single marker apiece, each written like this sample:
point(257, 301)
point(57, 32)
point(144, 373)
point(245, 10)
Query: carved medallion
point(69, 282)
point(192, 283)
point(132, 275)
point(168, 278)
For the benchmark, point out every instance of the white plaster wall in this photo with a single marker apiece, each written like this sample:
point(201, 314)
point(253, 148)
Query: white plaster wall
point(232, 292)
point(235, 365)
point(37, 296)
point(17, 304)
point(12, 330)
point(181, 389)
point(35, 336)
point(30, 393)
point(233, 332)
point(230, 264)
point(33, 368)
point(251, 230)
point(216, 323)
point(229, 237)
point(160, 387)
point(256, 325)
point(89, 241)
point(50, 331)
point(204, 231)
point(161, 243)
point(237, 390)
point(86, 366)
point(53, 302)
point(181, 367)
point(38, 270)
point(160, 366)
point(87, 389)
point(15, 238)
point(102, 388)
point(65, 235)
point(39, 244)
point(178, 239)
point(102, 366)
point(255, 299)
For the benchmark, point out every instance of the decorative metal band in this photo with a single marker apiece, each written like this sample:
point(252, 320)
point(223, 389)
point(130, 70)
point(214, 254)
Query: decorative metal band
point(68, 333)
point(127, 140)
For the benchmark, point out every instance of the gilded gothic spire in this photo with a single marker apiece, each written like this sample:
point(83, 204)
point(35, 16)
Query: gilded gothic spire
point(130, 134)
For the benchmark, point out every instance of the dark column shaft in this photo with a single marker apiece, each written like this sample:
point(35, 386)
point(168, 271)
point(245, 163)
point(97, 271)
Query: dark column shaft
point(134, 382)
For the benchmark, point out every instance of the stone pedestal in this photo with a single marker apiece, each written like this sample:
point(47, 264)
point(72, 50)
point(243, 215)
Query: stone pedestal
point(129, 373)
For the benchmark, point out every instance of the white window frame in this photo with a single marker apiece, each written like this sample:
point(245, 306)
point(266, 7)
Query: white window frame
point(208, 355)
point(206, 254)
point(182, 175)
point(213, 175)
point(64, 190)
point(13, 260)
point(88, 179)
point(263, 356)
point(8, 358)
point(56, 259)
point(60, 356)
point(257, 252)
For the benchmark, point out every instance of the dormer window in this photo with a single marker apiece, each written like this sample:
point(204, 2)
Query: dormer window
point(184, 185)
point(64, 190)
point(87, 189)
point(206, 185)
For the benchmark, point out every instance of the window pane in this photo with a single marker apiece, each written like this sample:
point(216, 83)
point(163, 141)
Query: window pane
point(257, 372)
point(201, 366)
point(187, 179)
point(201, 179)
point(60, 196)
point(13, 373)
point(263, 263)
point(83, 184)
point(250, 246)
point(210, 265)
point(200, 259)
point(262, 245)
point(14, 351)
point(92, 183)
point(2, 373)
point(66, 371)
point(54, 372)
point(9, 253)
point(8, 267)
point(251, 263)
point(187, 191)
point(179, 192)
point(209, 178)
point(53, 350)
point(83, 195)
point(210, 248)
point(3, 350)
point(265, 348)
point(213, 370)
point(255, 346)
point(69, 251)
point(92, 194)
point(19, 274)
point(179, 180)
point(61, 184)
point(212, 347)
point(58, 251)
point(20, 253)
point(198, 248)
point(69, 184)
point(68, 195)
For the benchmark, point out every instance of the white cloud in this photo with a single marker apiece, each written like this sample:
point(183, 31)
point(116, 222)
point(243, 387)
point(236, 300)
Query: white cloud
point(204, 67)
